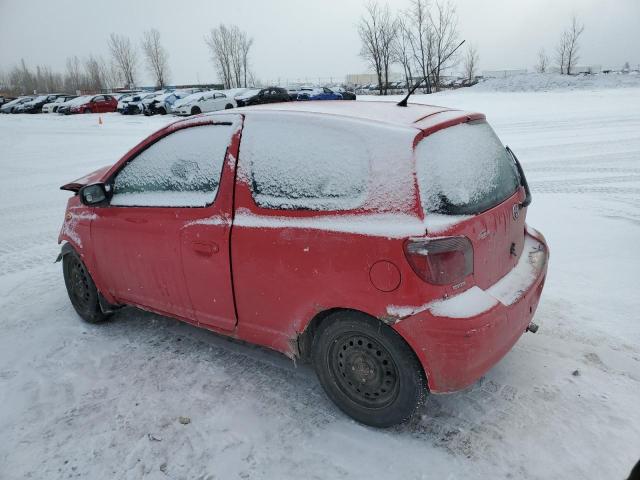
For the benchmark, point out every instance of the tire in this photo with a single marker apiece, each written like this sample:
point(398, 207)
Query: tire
point(162, 111)
point(367, 369)
point(228, 106)
point(86, 110)
point(81, 289)
point(195, 111)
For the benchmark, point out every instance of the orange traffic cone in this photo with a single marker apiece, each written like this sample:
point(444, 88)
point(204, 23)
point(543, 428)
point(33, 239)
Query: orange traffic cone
point(100, 120)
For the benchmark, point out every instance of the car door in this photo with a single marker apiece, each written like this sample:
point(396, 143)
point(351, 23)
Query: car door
point(109, 103)
point(97, 104)
point(162, 243)
point(208, 104)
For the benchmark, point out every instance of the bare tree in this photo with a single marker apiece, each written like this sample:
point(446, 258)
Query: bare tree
point(421, 38)
point(402, 50)
point(471, 60)
point(93, 72)
point(230, 48)
point(73, 77)
point(561, 52)
point(444, 22)
point(156, 56)
point(543, 61)
point(124, 56)
point(573, 46)
point(111, 75)
point(377, 31)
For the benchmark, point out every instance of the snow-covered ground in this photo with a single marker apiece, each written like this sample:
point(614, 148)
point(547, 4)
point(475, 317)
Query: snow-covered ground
point(84, 401)
point(527, 82)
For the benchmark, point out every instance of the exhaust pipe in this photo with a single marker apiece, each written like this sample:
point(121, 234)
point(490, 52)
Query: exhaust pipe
point(532, 327)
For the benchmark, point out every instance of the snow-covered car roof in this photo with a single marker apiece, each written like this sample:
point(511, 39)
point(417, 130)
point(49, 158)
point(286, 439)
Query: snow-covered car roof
point(79, 100)
point(376, 111)
point(17, 101)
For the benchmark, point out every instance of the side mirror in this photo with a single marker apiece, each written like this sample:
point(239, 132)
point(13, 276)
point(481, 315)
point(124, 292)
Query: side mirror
point(93, 194)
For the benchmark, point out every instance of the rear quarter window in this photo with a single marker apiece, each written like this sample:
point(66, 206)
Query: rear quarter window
point(304, 163)
point(314, 161)
point(463, 170)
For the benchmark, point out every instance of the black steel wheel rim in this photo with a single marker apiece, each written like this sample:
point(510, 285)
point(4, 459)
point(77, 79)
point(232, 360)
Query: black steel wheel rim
point(364, 370)
point(80, 289)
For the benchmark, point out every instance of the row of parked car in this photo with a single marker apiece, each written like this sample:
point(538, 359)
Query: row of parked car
point(179, 102)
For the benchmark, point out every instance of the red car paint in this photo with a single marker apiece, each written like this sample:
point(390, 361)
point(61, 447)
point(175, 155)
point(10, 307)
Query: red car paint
point(97, 104)
point(265, 285)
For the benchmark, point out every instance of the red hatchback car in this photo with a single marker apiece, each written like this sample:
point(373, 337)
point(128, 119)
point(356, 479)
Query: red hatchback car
point(96, 104)
point(386, 245)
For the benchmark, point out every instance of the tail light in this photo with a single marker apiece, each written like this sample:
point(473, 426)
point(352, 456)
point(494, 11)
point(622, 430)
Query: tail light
point(440, 261)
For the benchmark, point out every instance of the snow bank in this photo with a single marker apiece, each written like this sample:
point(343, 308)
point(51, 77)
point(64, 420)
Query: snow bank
point(528, 82)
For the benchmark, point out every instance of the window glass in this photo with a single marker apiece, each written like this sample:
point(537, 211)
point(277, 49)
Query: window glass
point(305, 162)
point(464, 170)
point(180, 170)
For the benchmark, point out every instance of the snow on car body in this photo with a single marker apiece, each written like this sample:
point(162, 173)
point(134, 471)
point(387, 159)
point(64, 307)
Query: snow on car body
point(204, 102)
point(387, 244)
point(52, 107)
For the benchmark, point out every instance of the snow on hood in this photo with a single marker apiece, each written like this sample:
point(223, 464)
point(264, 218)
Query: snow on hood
point(188, 99)
point(248, 94)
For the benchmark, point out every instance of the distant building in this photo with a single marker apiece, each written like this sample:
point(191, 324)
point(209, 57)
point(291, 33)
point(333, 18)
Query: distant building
point(367, 78)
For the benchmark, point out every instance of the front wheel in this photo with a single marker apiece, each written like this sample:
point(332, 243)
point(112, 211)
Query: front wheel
point(228, 106)
point(81, 289)
point(195, 111)
point(367, 369)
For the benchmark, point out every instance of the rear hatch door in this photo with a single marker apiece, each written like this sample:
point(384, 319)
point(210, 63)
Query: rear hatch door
point(469, 185)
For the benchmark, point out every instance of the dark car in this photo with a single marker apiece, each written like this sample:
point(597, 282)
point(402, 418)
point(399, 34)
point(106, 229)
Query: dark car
point(266, 95)
point(35, 105)
point(321, 93)
point(346, 94)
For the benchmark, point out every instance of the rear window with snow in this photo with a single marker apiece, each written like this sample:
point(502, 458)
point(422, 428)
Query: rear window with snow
point(305, 162)
point(463, 170)
point(180, 170)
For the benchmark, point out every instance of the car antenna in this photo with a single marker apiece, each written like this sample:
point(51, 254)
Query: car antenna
point(403, 102)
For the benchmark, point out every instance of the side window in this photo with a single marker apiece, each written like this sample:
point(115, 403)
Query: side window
point(180, 170)
point(309, 163)
point(99, 98)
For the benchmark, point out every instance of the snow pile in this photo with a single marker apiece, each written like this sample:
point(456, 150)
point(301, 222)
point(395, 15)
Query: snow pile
point(527, 82)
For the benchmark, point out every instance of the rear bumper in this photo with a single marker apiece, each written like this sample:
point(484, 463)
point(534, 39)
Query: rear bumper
point(456, 351)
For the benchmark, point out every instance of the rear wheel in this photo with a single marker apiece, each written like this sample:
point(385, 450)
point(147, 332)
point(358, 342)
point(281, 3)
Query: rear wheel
point(162, 111)
point(81, 289)
point(228, 106)
point(367, 369)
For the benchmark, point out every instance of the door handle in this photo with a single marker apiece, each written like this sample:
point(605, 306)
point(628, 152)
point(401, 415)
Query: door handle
point(205, 249)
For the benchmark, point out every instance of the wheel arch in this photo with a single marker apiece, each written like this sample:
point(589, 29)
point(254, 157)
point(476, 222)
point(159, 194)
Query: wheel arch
point(107, 303)
point(304, 339)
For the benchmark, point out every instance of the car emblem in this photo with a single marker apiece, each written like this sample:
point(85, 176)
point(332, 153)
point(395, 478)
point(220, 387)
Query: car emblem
point(516, 211)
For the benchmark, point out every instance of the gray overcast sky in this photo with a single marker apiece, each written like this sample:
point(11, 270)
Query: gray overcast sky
point(304, 39)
